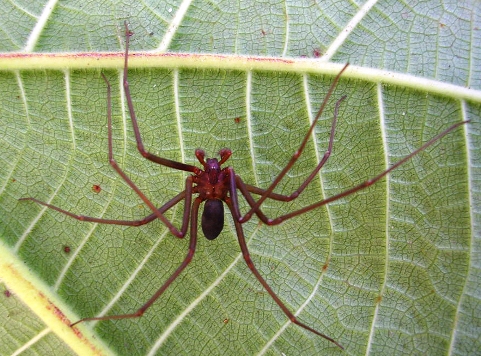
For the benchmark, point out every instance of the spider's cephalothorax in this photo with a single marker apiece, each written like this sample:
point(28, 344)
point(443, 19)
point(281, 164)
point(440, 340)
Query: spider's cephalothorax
point(212, 185)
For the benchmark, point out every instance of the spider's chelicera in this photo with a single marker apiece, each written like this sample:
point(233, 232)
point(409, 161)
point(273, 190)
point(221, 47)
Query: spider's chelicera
point(215, 186)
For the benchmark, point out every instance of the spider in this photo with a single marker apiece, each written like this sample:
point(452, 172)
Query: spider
point(215, 186)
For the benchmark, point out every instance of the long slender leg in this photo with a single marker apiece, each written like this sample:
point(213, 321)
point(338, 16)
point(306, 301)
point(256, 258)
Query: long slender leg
point(188, 258)
point(186, 195)
point(133, 117)
point(127, 180)
point(246, 189)
point(235, 182)
point(364, 184)
point(298, 191)
point(157, 213)
point(140, 222)
point(250, 264)
point(299, 151)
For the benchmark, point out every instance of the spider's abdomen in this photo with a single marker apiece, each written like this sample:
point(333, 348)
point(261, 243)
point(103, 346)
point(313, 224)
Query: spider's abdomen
point(212, 218)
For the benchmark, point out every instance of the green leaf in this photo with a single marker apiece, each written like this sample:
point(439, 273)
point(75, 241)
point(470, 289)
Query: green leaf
point(392, 269)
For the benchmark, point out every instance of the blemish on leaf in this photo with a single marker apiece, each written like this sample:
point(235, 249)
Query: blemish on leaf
point(316, 53)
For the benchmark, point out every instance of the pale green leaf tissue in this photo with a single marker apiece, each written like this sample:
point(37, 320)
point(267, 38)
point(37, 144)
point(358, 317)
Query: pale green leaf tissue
point(391, 270)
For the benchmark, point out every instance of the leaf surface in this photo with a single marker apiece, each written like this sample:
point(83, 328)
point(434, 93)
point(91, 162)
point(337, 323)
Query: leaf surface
point(392, 269)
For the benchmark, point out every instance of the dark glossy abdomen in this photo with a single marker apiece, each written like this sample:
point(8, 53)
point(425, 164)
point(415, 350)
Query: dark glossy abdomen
point(213, 218)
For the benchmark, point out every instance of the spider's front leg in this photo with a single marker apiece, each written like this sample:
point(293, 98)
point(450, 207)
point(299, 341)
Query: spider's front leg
point(131, 184)
point(246, 189)
point(138, 138)
point(268, 193)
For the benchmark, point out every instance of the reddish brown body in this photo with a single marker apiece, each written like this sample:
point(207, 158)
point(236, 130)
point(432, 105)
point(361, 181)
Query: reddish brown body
point(212, 185)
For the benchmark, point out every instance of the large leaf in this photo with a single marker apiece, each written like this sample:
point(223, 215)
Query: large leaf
point(393, 269)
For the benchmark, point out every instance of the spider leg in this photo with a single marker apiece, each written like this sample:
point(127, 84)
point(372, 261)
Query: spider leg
point(299, 151)
point(188, 258)
point(245, 253)
point(127, 180)
point(366, 183)
point(298, 191)
point(260, 191)
point(140, 146)
point(186, 194)
point(140, 222)
point(246, 189)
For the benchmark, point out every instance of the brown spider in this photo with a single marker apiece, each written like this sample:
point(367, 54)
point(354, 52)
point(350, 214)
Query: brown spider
point(215, 186)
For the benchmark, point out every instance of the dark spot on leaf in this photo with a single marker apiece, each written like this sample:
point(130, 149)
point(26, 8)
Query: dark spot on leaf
point(316, 53)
